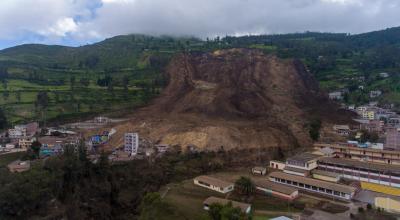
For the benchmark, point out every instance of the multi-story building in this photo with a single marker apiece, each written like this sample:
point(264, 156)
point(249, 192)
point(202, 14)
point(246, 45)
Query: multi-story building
point(25, 142)
point(382, 178)
point(351, 151)
point(368, 114)
point(301, 164)
point(131, 143)
point(393, 139)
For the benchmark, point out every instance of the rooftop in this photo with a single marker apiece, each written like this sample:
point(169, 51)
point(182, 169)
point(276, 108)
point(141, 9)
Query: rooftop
point(213, 181)
point(304, 157)
point(384, 168)
point(265, 183)
point(297, 170)
point(325, 173)
point(314, 182)
point(212, 200)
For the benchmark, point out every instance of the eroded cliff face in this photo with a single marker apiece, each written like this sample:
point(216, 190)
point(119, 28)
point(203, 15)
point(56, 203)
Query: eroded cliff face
point(237, 98)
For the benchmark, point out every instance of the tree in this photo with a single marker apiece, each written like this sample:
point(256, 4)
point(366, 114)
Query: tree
point(18, 95)
point(315, 127)
point(84, 82)
point(245, 186)
point(6, 94)
point(225, 212)
point(42, 101)
point(72, 82)
point(3, 120)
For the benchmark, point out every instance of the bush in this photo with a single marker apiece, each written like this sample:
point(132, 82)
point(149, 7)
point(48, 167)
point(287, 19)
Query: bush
point(351, 216)
point(369, 206)
point(360, 209)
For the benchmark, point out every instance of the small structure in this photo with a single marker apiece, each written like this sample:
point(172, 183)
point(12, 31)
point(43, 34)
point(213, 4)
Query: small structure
point(277, 190)
point(342, 130)
point(335, 95)
point(214, 184)
point(384, 75)
point(277, 164)
point(301, 162)
point(375, 93)
point(19, 166)
point(162, 148)
point(244, 207)
point(25, 142)
point(259, 170)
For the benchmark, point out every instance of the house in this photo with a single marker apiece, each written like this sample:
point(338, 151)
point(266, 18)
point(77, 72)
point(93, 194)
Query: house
point(375, 93)
point(259, 170)
point(131, 143)
point(214, 184)
point(162, 148)
point(26, 142)
point(342, 130)
point(338, 191)
point(19, 166)
point(267, 187)
point(55, 145)
point(244, 207)
point(17, 132)
point(277, 164)
point(384, 75)
point(368, 114)
point(335, 95)
point(101, 120)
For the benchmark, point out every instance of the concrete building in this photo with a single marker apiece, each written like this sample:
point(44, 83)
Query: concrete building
point(276, 190)
point(25, 142)
point(214, 184)
point(338, 191)
point(244, 207)
point(342, 130)
point(335, 95)
point(375, 93)
point(392, 139)
point(373, 176)
point(259, 170)
point(301, 164)
point(279, 165)
point(131, 143)
point(351, 151)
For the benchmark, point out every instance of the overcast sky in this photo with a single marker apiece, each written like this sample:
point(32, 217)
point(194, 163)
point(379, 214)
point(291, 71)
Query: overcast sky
point(78, 22)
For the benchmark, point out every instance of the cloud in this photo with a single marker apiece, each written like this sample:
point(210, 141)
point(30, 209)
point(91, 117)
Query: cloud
point(80, 21)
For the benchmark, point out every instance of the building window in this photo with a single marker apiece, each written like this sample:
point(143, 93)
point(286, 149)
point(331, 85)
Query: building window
point(295, 183)
point(308, 186)
point(321, 189)
point(329, 191)
point(336, 193)
point(315, 188)
point(301, 185)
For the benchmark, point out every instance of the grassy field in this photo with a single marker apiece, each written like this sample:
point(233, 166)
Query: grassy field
point(187, 199)
point(5, 159)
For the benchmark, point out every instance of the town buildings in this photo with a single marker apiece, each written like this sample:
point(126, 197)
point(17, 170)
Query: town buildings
point(131, 143)
point(338, 191)
point(214, 184)
point(337, 95)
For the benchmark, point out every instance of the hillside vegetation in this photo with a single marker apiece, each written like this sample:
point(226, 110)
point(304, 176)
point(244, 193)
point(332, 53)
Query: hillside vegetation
point(123, 72)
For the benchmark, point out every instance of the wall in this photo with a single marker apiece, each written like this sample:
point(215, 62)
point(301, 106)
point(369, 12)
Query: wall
point(387, 204)
point(326, 178)
point(380, 188)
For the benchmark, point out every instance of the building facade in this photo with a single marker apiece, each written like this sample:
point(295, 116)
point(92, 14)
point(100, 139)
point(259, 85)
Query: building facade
point(213, 184)
point(393, 139)
point(131, 143)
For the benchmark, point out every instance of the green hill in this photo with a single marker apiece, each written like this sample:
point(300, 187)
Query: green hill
point(126, 71)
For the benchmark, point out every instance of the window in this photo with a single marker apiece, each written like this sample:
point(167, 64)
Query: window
point(289, 182)
point(295, 183)
point(301, 185)
point(342, 194)
point(321, 189)
point(336, 193)
point(308, 186)
point(329, 191)
point(315, 188)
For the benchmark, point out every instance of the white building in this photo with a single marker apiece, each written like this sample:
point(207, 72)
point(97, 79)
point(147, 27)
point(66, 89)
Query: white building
point(214, 184)
point(131, 143)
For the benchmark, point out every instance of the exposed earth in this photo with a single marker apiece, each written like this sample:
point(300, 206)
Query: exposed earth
point(236, 98)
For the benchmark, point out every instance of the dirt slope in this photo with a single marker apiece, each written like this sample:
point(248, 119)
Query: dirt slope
point(232, 98)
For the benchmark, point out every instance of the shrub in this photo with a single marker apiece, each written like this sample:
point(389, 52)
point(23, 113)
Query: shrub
point(369, 206)
point(360, 209)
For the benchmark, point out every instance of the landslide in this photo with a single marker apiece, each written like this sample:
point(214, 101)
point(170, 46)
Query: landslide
point(234, 98)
